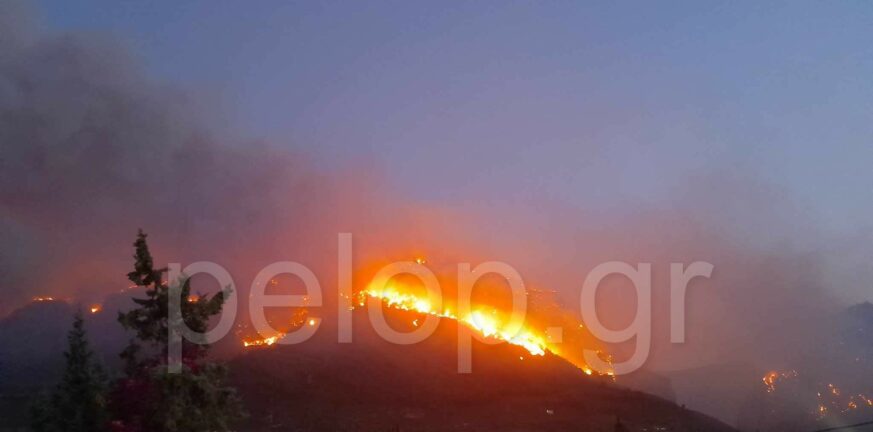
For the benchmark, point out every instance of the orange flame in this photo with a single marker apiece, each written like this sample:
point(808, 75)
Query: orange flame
point(830, 398)
point(772, 377)
point(487, 321)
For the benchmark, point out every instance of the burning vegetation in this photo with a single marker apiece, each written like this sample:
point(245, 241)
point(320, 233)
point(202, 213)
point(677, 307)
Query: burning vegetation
point(829, 400)
point(488, 318)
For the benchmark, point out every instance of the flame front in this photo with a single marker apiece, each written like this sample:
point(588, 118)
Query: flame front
point(488, 324)
point(488, 321)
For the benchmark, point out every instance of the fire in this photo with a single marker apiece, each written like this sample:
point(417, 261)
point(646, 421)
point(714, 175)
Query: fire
point(488, 322)
point(831, 399)
point(43, 299)
point(771, 377)
point(95, 308)
point(263, 342)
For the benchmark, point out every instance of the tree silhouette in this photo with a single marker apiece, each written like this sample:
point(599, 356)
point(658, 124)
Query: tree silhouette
point(619, 427)
point(78, 402)
point(150, 397)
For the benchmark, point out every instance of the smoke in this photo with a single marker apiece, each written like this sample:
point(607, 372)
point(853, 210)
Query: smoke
point(93, 149)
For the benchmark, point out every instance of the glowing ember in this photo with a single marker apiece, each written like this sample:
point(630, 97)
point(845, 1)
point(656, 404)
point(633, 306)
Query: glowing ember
point(831, 400)
point(263, 342)
point(771, 378)
point(96, 308)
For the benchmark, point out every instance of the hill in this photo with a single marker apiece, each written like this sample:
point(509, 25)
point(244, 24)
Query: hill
point(373, 385)
point(368, 385)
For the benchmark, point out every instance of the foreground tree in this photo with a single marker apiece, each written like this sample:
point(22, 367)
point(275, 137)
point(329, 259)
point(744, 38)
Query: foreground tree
point(150, 397)
point(77, 403)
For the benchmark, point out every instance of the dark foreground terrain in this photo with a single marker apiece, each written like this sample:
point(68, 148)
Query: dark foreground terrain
point(368, 385)
point(373, 385)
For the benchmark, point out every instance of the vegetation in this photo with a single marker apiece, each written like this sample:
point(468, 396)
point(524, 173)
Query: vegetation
point(78, 402)
point(150, 397)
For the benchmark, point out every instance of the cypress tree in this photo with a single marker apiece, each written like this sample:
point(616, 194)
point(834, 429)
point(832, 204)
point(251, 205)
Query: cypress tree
point(78, 402)
point(150, 398)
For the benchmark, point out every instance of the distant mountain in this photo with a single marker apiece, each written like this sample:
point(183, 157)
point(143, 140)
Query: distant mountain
point(830, 382)
point(31, 342)
point(717, 390)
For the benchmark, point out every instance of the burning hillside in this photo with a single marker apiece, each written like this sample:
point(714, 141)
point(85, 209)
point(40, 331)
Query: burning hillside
point(373, 385)
point(488, 317)
point(831, 385)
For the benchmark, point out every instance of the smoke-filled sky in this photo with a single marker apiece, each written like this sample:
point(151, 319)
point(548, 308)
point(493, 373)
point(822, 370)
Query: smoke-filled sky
point(551, 136)
point(587, 104)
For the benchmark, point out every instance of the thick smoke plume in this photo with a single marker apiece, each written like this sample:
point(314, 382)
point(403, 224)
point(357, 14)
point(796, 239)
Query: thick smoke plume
point(92, 149)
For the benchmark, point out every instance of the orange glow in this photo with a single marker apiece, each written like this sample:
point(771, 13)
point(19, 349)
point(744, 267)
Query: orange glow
point(43, 299)
point(262, 342)
point(771, 378)
point(830, 398)
point(485, 320)
point(487, 324)
point(96, 308)
point(489, 317)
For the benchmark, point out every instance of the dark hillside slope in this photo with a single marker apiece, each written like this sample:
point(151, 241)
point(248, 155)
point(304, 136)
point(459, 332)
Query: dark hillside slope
point(373, 385)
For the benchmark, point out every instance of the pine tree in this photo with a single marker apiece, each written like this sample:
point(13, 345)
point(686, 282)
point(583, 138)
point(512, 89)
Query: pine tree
point(77, 403)
point(150, 398)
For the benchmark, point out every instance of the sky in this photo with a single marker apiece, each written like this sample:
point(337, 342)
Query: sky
point(509, 100)
point(592, 106)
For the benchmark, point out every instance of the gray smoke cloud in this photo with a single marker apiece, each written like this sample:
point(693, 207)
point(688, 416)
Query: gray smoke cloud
point(92, 149)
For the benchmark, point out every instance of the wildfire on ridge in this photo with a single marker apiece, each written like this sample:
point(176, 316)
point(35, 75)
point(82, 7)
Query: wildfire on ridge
point(772, 377)
point(491, 319)
point(263, 342)
point(487, 321)
point(831, 399)
point(95, 308)
point(272, 339)
point(44, 299)
point(299, 317)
